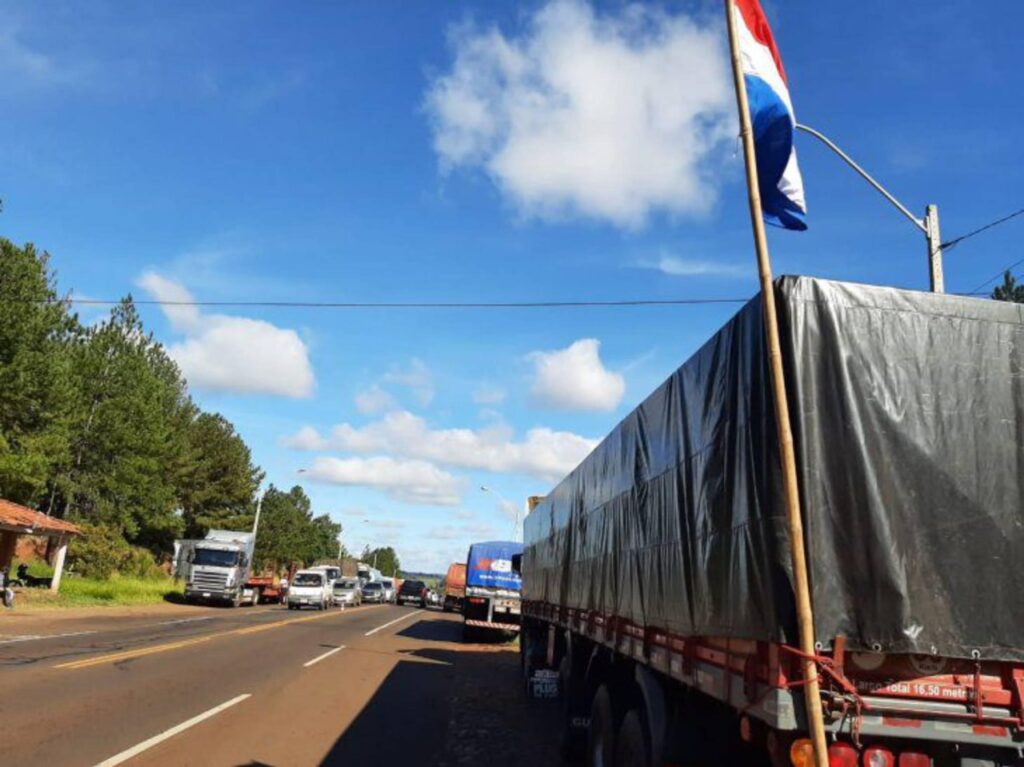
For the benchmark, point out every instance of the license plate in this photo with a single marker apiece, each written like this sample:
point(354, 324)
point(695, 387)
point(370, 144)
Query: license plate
point(206, 593)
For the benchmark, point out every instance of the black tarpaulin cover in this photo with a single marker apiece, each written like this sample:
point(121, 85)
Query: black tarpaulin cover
point(908, 414)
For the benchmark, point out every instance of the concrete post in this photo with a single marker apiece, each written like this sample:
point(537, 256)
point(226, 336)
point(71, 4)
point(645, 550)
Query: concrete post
point(58, 564)
point(8, 541)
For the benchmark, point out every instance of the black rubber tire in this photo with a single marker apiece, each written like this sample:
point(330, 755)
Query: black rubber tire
point(631, 743)
point(601, 733)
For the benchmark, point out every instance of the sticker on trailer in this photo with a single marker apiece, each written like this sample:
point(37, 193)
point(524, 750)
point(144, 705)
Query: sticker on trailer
point(544, 684)
point(501, 566)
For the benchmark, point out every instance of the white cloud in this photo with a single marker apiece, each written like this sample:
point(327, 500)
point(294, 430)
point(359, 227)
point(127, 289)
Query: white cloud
point(543, 453)
point(675, 266)
point(374, 400)
point(232, 354)
point(417, 377)
point(574, 378)
point(468, 533)
point(607, 116)
point(417, 482)
point(488, 394)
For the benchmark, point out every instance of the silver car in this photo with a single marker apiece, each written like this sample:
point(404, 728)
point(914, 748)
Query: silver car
point(389, 589)
point(347, 593)
point(373, 592)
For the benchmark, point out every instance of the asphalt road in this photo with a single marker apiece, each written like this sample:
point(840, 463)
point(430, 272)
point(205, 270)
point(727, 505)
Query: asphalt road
point(248, 686)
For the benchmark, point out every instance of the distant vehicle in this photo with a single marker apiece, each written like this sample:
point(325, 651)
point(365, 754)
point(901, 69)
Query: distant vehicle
point(309, 589)
point(493, 588)
point(373, 592)
point(433, 597)
point(347, 592)
point(412, 591)
point(218, 568)
point(333, 573)
point(389, 589)
point(455, 587)
point(368, 574)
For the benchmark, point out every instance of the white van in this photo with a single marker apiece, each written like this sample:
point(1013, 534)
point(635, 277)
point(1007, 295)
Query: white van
point(309, 588)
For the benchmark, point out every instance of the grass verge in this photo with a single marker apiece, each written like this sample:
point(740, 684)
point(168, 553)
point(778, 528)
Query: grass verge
point(117, 590)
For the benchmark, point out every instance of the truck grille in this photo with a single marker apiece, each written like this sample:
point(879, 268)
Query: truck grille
point(209, 581)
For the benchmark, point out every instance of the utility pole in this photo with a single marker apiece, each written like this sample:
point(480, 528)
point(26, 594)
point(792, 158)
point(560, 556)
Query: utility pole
point(929, 225)
point(256, 522)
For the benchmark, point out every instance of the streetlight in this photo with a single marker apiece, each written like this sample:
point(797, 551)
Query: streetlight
point(929, 225)
point(503, 499)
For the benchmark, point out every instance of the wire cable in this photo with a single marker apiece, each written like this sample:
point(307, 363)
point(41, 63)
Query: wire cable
point(957, 240)
point(415, 304)
point(995, 277)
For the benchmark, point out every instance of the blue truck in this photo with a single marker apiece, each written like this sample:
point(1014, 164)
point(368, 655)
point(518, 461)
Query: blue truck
point(493, 588)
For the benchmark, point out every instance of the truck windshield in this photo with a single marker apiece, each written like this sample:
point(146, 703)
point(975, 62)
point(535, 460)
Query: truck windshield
point(307, 579)
point(372, 587)
point(215, 557)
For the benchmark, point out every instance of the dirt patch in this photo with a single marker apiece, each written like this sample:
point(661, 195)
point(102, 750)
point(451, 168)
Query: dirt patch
point(493, 722)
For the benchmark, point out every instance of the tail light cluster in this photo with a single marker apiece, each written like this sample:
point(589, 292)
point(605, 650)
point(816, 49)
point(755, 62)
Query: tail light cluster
point(801, 754)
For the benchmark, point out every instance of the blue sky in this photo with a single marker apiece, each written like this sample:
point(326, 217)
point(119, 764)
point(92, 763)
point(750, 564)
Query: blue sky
point(398, 151)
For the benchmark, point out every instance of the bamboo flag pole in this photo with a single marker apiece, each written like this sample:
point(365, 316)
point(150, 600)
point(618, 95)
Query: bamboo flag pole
point(805, 618)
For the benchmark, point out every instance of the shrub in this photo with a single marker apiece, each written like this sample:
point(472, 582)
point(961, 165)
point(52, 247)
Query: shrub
point(98, 552)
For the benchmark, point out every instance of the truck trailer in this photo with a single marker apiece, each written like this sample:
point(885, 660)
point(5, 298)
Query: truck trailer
point(657, 582)
point(493, 588)
point(455, 587)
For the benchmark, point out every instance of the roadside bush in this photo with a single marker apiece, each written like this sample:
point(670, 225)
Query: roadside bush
point(139, 563)
point(99, 552)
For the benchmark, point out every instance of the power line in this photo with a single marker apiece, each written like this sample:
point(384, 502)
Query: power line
point(997, 275)
point(415, 304)
point(957, 240)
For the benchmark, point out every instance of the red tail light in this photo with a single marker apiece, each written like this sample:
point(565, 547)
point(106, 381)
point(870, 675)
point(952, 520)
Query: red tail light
point(842, 755)
point(911, 759)
point(879, 757)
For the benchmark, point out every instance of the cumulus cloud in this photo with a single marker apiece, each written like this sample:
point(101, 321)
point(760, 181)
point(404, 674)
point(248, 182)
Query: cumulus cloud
point(609, 116)
point(232, 354)
point(574, 378)
point(416, 377)
point(418, 482)
point(543, 453)
point(374, 400)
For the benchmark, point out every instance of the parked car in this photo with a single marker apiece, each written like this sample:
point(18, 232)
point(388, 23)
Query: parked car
point(412, 591)
point(309, 588)
point(389, 589)
point(373, 592)
point(347, 592)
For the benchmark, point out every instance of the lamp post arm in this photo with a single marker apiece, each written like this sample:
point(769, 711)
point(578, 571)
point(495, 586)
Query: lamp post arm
point(865, 175)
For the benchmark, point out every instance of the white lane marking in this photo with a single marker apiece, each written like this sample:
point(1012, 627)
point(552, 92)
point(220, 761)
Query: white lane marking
point(390, 623)
point(319, 658)
point(35, 637)
point(145, 745)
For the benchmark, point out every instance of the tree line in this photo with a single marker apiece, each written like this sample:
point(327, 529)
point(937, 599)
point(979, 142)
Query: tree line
point(97, 427)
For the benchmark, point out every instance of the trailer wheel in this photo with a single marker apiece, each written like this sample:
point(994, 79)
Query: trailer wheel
point(632, 748)
point(601, 733)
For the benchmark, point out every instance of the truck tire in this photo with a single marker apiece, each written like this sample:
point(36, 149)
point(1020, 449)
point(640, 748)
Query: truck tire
point(601, 733)
point(631, 746)
point(236, 600)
